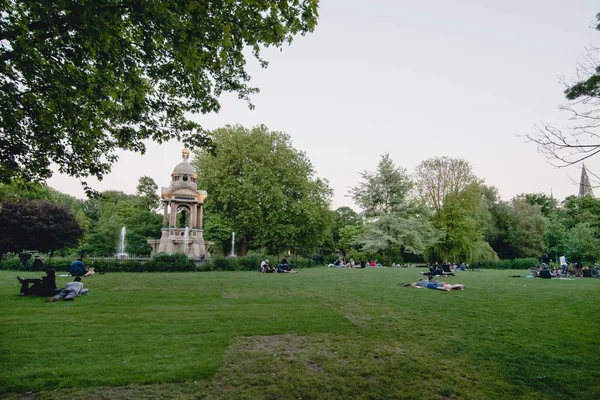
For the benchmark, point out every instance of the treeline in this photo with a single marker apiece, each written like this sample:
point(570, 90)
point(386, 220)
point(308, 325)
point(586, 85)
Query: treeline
point(447, 214)
point(35, 217)
point(268, 193)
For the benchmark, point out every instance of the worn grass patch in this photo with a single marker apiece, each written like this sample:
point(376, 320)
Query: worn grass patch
point(321, 333)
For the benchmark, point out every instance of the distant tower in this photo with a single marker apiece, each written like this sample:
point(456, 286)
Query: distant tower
point(585, 187)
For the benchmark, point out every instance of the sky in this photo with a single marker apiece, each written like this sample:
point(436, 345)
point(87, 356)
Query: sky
point(415, 79)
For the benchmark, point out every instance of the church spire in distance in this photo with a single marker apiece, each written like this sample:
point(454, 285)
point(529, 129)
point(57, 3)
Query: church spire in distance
point(585, 187)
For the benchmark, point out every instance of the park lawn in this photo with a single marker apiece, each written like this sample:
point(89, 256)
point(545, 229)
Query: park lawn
point(320, 333)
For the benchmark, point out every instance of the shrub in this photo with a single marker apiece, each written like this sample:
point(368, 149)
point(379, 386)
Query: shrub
point(170, 262)
point(517, 263)
point(251, 262)
point(12, 263)
point(59, 264)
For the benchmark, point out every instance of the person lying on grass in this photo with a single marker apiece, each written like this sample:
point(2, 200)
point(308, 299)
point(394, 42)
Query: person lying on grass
point(72, 290)
point(431, 283)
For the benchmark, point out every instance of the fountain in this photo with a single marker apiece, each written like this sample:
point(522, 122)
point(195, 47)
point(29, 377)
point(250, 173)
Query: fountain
point(121, 253)
point(186, 239)
point(232, 245)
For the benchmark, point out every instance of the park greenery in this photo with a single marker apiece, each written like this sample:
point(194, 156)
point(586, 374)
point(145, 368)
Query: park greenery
point(322, 333)
point(263, 189)
point(80, 80)
point(269, 193)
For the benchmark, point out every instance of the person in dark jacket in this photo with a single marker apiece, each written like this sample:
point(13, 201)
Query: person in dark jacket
point(46, 286)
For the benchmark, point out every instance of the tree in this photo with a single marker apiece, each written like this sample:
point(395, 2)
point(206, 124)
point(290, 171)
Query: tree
point(462, 219)
point(80, 80)
point(459, 207)
point(146, 190)
point(547, 204)
point(37, 225)
point(439, 177)
point(520, 229)
point(526, 230)
point(392, 221)
point(582, 243)
point(112, 211)
point(580, 140)
point(581, 209)
point(347, 237)
point(263, 189)
point(343, 217)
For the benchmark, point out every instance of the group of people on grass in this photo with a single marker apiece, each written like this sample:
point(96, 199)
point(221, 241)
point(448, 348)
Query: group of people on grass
point(343, 263)
point(46, 286)
point(283, 267)
point(563, 269)
point(445, 269)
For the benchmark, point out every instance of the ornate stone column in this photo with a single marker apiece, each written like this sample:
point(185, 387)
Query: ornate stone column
point(201, 215)
point(193, 217)
point(173, 214)
point(165, 215)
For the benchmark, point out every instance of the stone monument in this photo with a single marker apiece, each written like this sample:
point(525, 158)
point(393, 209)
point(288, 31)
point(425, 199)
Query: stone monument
point(183, 234)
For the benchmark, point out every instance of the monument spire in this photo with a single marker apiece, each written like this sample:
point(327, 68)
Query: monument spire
point(585, 187)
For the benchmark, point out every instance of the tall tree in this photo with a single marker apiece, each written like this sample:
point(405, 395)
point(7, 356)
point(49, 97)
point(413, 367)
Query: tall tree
point(37, 225)
point(527, 229)
point(583, 244)
point(81, 79)
point(462, 219)
point(263, 189)
point(439, 177)
point(459, 204)
point(392, 221)
point(147, 192)
point(520, 229)
point(547, 203)
point(343, 217)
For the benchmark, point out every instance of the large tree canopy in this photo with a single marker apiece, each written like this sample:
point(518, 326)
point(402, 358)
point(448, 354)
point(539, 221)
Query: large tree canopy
point(37, 225)
point(458, 203)
point(394, 223)
point(262, 189)
point(81, 79)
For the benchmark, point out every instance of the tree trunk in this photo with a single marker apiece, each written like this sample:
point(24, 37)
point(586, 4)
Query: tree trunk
point(389, 263)
point(245, 247)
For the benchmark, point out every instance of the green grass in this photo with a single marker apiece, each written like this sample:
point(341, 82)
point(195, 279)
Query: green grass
point(321, 333)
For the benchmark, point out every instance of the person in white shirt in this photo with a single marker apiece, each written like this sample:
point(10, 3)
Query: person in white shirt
point(72, 290)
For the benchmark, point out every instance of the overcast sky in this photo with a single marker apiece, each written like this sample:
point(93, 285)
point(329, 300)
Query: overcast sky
point(416, 79)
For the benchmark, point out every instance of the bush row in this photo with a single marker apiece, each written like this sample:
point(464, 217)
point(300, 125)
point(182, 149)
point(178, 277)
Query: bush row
point(168, 263)
point(517, 263)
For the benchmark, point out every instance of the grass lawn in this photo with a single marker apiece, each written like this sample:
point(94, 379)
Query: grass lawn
point(319, 334)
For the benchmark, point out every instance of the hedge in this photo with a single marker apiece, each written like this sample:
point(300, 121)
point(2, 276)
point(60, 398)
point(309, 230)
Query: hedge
point(517, 263)
point(168, 263)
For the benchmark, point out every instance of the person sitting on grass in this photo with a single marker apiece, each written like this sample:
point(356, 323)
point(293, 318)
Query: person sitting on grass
point(544, 272)
point(46, 286)
point(434, 270)
point(265, 268)
point(72, 290)
point(284, 267)
point(78, 268)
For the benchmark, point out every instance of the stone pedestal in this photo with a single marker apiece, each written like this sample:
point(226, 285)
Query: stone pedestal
point(173, 241)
